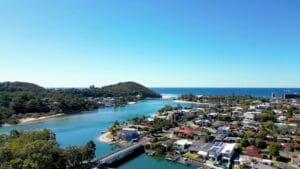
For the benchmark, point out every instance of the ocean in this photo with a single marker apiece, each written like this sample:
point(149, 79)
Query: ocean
point(259, 92)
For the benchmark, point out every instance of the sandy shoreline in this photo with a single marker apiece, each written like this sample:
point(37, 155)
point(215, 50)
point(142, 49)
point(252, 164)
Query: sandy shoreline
point(183, 101)
point(29, 120)
point(106, 138)
point(34, 119)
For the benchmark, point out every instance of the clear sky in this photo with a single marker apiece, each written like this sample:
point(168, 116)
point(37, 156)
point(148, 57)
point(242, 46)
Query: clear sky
point(192, 43)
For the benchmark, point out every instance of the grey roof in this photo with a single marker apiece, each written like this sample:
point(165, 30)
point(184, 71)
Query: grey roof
point(261, 166)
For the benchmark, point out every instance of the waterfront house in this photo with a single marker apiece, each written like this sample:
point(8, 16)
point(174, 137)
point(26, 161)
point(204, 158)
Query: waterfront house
point(215, 151)
point(204, 150)
point(182, 145)
point(228, 152)
point(195, 147)
point(129, 134)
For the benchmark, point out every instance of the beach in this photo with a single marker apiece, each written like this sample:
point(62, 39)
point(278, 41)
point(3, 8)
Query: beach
point(190, 102)
point(106, 137)
point(35, 119)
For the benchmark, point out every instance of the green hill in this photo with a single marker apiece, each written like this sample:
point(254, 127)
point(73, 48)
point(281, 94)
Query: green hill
point(129, 89)
point(19, 86)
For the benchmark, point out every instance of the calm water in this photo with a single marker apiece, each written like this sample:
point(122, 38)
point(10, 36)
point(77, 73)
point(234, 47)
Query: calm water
point(78, 129)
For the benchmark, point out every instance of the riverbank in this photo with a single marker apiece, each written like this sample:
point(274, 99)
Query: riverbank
point(189, 102)
point(35, 119)
point(28, 120)
point(106, 138)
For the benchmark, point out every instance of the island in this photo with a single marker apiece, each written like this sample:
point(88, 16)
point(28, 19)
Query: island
point(22, 102)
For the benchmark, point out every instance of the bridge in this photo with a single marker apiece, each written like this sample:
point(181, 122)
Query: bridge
point(111, 157)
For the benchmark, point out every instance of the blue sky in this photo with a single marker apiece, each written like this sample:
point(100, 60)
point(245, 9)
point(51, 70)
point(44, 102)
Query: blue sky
point(194, 43)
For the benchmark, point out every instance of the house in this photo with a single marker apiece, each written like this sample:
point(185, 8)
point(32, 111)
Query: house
point(250, 115)
point(253, 151)
point(223, 130)
point(296, 161)
point(185, 132)
point(203, 122)
point(195, 147)
point(215, 151)
point(182, 145)
point(129, 134)
point(204, 150)
point(281, 118)
point(212, 115)
point(228, 152)
point(199, 135)
point(108, 102)
point(261, 166)
point(218, 137)
point(293, 119)
point(242, 160)
point(232, 139)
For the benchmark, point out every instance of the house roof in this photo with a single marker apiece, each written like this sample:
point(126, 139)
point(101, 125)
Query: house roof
point(185, 131)
point(183, 142)
point(251, 148)
point(229, 147)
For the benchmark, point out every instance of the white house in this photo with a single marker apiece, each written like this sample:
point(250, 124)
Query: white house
point(182, 145)
point(250, 115)
point(228, 152)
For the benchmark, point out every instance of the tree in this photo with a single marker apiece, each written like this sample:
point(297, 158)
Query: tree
point(274, 149)
point(244, 142)
point(73, 155)
point(259, 142)
point(89, 150)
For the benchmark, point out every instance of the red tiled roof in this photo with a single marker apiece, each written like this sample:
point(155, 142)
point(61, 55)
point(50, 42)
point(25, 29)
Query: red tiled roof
point(185, 131)
point(251, 148)
point(257, 155)
point(293, 119)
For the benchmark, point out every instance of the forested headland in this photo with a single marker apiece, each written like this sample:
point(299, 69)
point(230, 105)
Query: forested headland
point(20, 99)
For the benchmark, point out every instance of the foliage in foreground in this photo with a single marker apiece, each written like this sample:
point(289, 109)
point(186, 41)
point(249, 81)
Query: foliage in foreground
point(39, 149)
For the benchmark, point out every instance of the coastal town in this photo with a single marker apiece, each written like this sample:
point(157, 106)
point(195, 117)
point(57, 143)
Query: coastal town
point(216, 131)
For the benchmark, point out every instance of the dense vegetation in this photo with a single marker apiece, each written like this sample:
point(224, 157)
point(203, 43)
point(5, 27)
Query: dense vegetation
point(39, 149)
point(19, 99)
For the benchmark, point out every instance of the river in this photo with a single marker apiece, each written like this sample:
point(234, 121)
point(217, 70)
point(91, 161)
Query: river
point(77, 129)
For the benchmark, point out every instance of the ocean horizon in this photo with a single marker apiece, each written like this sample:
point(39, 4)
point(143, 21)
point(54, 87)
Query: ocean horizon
point(259, 92)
